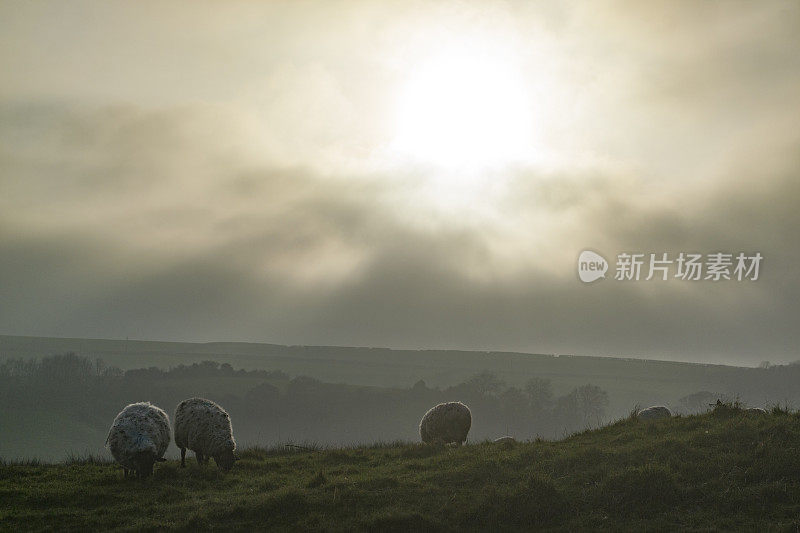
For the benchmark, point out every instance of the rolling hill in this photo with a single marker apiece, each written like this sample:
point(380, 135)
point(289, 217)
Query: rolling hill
point(722, 470)
point(628, 381)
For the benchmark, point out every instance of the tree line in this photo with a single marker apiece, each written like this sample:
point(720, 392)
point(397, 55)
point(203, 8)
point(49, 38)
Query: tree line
point(269, 407)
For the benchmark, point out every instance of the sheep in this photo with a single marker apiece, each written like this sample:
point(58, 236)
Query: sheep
point(755, 411)
point(205, 428)
point(138, 438)
point(654, 412)
point(446, 423)
point(505, 439)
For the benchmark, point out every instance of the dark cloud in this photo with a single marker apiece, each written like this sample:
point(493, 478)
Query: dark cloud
point(679, 121)
point(127, 244)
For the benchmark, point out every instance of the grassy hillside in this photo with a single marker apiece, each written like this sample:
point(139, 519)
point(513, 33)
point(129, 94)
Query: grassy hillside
point(722, 470)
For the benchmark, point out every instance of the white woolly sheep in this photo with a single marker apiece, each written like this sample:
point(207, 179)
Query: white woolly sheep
point(446, 423)
point(505, 439)
point(205, 428)
point(654, 412)
point(755, 411)
point(138, 438)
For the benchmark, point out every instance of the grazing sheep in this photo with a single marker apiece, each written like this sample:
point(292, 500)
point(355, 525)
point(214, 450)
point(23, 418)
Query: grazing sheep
point(755, 411)
point(446, 423)
point(506, 439)
point(205, 428)
point(138, 438)
point(653, 413)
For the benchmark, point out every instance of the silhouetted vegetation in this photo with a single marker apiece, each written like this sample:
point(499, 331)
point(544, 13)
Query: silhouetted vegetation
point(269, 407)
point(63, 404)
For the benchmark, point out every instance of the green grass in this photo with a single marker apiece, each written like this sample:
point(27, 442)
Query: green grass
point(722, 470)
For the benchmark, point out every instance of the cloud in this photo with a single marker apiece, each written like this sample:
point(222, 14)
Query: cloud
point(133, 246)
point(228, 184)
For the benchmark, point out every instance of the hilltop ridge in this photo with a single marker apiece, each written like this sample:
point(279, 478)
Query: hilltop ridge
point(629, 381)
point(727, 469)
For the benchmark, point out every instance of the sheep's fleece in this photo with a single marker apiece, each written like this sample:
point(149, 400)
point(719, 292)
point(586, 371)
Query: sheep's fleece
point(203, 427)
point(654, 412)
point(446, 423)
point(139, 428)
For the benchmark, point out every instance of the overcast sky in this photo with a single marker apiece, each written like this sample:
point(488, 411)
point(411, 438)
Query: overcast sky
point(407, 174)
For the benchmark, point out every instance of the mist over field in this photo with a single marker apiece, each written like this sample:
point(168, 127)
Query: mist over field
point(61, 405)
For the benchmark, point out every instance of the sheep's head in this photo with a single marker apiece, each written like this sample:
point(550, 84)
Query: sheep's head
point(225, 459)
point(143, 462)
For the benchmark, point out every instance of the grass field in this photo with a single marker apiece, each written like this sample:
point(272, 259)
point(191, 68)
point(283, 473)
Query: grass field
point(722, 470)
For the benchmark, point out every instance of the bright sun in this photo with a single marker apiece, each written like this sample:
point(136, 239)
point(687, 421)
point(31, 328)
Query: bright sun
point(464, 109)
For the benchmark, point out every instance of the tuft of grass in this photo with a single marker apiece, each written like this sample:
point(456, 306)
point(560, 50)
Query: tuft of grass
point(317, 481)
point(87, 459)
point(778, 409)
point(640, 490)
point(532, 501)
point(21, 462)
point(419, 451)
point(727, 408)
point(400, 522)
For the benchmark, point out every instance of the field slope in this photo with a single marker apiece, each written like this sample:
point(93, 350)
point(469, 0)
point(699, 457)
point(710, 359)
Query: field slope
point(722, 470)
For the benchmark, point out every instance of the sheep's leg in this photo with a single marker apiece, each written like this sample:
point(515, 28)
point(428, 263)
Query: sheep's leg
point(183, 457)
point(199, 457)
point(124, 472)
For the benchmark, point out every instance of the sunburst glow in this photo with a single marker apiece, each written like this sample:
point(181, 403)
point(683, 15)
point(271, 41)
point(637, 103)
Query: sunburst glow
point(464, 108)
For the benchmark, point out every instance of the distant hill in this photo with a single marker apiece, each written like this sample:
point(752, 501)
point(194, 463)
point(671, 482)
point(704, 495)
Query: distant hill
point(628, 381)
point(726, 470)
